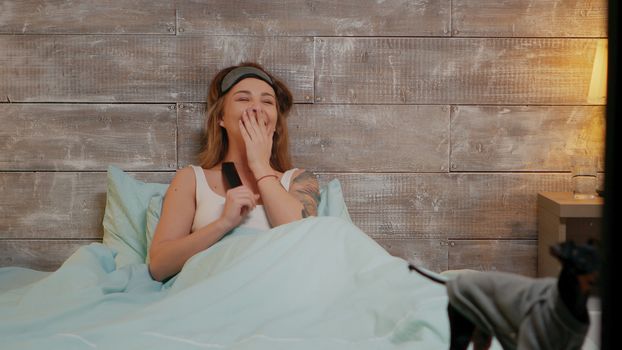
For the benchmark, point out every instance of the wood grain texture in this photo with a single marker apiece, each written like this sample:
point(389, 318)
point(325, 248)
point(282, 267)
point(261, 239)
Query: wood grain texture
point(515, 256)
point(447, 206)
point(356, 138)
point(134, 68)
point(190, 128)
point(525, 138)
point(388, 138)
point(429, 253)
point(516, 18)
point(87, 17)
point(453, 70)
point(581, 230)
point(312, 18)
point(55, 205)
point(87, 137)
point(42, 255)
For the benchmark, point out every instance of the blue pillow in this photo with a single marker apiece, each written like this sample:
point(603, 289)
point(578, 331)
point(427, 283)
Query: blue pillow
point(124, 221)
point(332, 202)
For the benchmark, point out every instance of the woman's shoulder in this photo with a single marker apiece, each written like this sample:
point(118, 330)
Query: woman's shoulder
point(185, 173)
point(184, 179)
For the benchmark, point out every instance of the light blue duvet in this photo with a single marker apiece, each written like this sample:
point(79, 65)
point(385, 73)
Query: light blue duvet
point(319, 283)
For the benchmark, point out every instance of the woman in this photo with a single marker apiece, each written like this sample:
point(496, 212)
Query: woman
point(245, 124)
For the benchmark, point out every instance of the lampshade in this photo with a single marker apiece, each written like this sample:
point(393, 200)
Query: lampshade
point(598, 84)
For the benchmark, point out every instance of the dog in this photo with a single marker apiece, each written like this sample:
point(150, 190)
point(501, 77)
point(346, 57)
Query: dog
point(523, 312)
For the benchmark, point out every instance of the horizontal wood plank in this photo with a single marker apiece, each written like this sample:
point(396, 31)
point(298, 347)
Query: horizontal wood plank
point(135, 68)
point(389, 138)
point(312, 18)
point(447, 206)
point(56, 205)
point(454, 71)
point(87, 136)
point(515, 256)
point(42, 255)
point(515, 18)
point(87, 17)
point(428, 253)
point(431, 206)
point(525, 138)
point(357, 138)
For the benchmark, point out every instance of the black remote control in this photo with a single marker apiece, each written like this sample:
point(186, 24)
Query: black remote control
point(231, 175)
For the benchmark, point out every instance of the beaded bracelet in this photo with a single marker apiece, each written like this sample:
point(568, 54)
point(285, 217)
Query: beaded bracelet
point(265, 176)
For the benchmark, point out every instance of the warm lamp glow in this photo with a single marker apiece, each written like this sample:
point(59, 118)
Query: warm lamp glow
point(598, 84)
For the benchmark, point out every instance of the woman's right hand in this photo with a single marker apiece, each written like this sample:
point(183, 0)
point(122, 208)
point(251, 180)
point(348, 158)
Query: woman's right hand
point(239, 202)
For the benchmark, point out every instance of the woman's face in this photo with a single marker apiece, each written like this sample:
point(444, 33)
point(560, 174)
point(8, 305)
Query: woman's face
point(255, 97)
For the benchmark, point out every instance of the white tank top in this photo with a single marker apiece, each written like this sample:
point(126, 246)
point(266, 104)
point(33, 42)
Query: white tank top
point(210, 204)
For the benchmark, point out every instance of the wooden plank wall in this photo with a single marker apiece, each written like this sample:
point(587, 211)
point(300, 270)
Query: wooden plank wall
point(442, 119)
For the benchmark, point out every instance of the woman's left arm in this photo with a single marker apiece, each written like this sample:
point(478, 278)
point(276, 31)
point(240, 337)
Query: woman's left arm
point(283, 207)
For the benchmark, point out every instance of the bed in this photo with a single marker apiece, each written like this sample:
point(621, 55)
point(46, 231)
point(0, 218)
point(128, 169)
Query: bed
point(318, 283)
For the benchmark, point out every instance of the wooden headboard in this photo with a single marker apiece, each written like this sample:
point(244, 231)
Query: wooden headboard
point(441, 120)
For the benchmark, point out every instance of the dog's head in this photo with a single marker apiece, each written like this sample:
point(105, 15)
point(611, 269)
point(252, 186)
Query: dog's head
point(581, 261)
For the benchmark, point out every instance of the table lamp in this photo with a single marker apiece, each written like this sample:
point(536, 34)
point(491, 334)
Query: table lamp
point(584, 162)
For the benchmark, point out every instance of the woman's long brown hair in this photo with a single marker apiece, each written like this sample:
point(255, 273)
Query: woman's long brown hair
point(215, 141)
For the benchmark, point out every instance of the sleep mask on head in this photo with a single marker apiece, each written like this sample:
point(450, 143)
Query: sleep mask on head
point(239, 73)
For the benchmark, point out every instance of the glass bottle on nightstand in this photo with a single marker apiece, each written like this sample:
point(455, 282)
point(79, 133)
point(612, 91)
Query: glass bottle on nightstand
point(584, 180)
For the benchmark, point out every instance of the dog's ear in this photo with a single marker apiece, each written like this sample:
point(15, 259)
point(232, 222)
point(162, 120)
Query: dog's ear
point(579, 259)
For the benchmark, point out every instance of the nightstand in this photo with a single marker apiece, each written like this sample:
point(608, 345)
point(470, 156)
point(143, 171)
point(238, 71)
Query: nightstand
point(561, 217)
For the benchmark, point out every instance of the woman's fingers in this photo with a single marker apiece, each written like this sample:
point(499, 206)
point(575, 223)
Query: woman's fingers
point(264, 124)
point(245, 135)
point(261, 121)
point(238, 203)
point(264, 129)
point(263, 118)
point(243, 193)
point(246, 126)
point(250, 121)
point(256, 126)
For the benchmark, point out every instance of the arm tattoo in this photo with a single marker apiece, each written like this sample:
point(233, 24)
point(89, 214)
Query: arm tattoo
point(306, 189)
